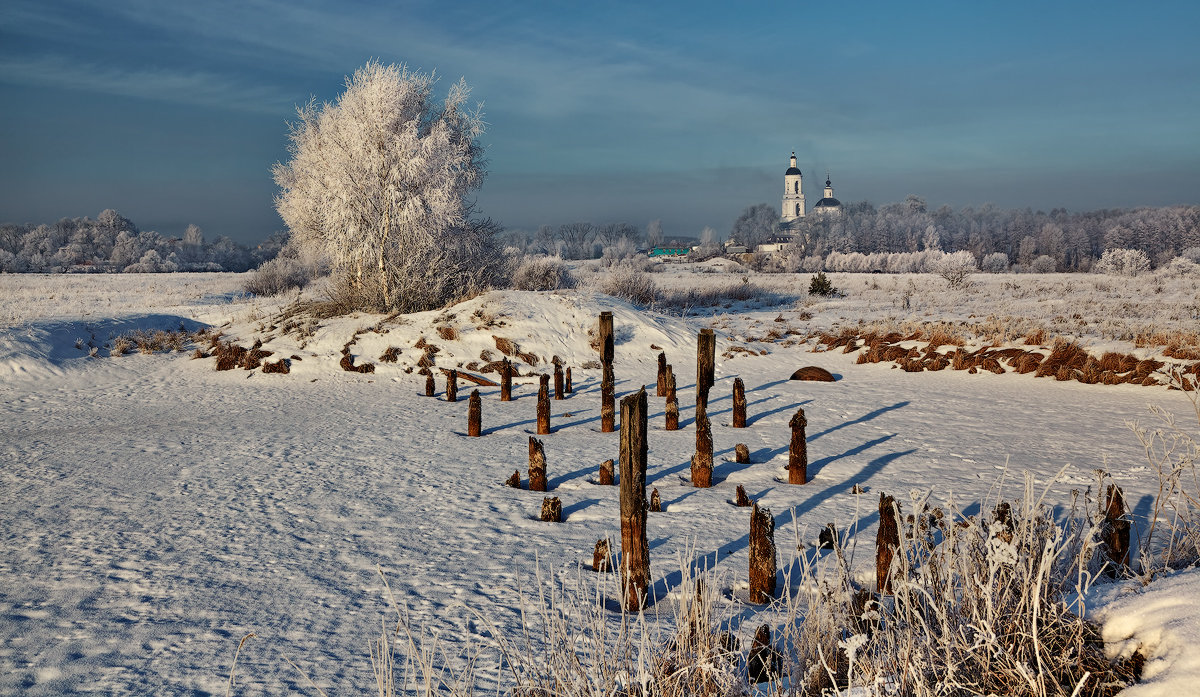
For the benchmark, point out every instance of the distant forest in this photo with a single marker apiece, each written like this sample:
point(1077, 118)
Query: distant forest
point(112, 243)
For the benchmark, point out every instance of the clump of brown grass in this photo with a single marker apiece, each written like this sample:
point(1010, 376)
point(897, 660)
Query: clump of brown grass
point(448, 333)
point(506, 346)
point(348, 365)
point(1036, 337)
point(282, 366)
point(391, 355)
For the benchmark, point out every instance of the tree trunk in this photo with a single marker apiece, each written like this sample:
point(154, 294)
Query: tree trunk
point(452, 386)
point(635, 552)
point(552, 509)
point(1116, 530)
point(559, 392)
point(741, 454)
point(739, 403)
point(743, 501)
point(606, 473)
point(702, 461)
point(430, 388)
point(672, 410)
point(506, 381)
point(607, 393)
point(662, 374)
point(887, 542)
point(762, 555)
point(706, 357)
point(543, 406)
point(798, 450)
point(568, 388)
point(474, 415)
point(537, 465)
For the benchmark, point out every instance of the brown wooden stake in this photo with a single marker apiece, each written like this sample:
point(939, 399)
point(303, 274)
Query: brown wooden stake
point(798, 450)
point(887, 542)
point(537, 465)
point(702, 461)
point(430, 388)
point(1116, 529)
point(559, 392)
point(600, 559)
point(515, 480)
point(706, 360)
point(635, 552)
point(762, 555)
point(568, 387)
point(739, 403)
point(474, 415)
point(552, 509)
point(743, 501)
point(655, 501)
point(506, 381)
point(741, 454)
point(607, 384)
point(452, 386)
point(543, 406)
point(764, 662)
point(606, 473)
point(672, 412)
point(662, 374)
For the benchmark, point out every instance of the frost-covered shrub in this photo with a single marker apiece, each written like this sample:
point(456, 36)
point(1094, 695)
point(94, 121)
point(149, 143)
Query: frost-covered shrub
point(279, 275)
point(954, 268)
point(996, 262)
point(628, 283)
point(1123, 262)
point(1043, 264)
point(152, 262)
point(1180, 266)
point(542, 273)
point(1192, 254)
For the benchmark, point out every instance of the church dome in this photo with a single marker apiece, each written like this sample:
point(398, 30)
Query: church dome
point(828, 202)
point(791, 170)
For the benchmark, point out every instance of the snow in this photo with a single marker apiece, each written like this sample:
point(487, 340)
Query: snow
point(155, 510)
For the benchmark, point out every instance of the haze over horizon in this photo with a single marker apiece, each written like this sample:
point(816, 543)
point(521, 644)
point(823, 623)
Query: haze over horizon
point(606, 112)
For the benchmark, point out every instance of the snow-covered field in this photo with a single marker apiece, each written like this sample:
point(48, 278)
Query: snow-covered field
point(155, 510)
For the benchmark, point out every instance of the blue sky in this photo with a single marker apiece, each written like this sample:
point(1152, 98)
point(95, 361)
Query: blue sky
point(174, 112)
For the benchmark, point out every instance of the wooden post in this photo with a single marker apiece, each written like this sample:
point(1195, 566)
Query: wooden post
point(762, 555)
point(600, 559)
point(743, 501)
point(452, 386)
point(739, 403)
point(655, 501)
point(672, 411)
point(635, 552)
point(662, 374)
point(474, 415)
point(430, 388)
point(1116, 530)
point(607, 389)
point(543, 406)
point(559, 392)
point(552, 509)
point(515, 480)
point(569, 390)
point(887, 542)
point(764, 662)
point(741, 454)
point(798, 450)
point(537, 465)
point(606, 473)
point(702, 461)
point(506, 381)
point(706, 358)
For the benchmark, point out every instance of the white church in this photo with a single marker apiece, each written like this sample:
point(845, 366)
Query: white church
point(793, 197)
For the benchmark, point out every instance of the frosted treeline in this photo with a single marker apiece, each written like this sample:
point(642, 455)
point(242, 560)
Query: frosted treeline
point(112, 243)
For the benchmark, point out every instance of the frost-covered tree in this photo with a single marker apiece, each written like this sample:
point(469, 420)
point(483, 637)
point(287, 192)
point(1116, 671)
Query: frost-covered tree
point(996, 262)
point(1123, 262)
point(654, 234)
point(756, 225)
point(379, 181)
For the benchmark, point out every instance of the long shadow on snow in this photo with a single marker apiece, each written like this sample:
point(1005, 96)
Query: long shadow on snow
point(862, 419)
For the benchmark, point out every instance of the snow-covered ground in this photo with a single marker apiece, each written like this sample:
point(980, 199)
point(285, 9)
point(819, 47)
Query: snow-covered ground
point(155, 510)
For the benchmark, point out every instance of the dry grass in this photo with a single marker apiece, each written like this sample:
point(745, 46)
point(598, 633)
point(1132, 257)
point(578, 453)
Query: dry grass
point(508, 347)
point(391, 355)
point(448, 333)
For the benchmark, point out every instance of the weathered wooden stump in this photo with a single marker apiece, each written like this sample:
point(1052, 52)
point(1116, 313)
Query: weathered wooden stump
point(430, 388)
point(543, 405)
point(702, 460)
point(655, 501)
point(567, 380)
point(551, 509)
point(559, 389)
point(798, 450)
point(601, 562)
point(662, 374)
point(742, 501)
point(672, 409)
point(1116, 530)
point(887, 542)
point(828, 538)
point(452, 386)
point(706, 360)
point(739, 403)
point(607, 382)
point(762, 555)
point(537, 465)
point(515, 480)
point(506, 381)
point(764, 662)
point(606, 473)
point(741, 454)
point(474, 415)
point(635, 551)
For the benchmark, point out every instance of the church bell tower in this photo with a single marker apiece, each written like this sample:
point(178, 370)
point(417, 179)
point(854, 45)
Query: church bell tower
point(793, 193)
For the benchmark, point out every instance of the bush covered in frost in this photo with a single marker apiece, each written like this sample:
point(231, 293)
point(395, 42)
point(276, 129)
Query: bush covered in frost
point(1123, 262)
point(542, 273)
